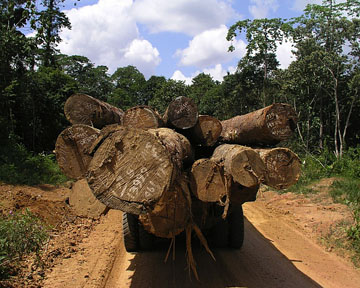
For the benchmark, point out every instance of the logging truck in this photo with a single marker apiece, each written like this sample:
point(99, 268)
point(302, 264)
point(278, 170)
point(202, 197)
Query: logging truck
point(180, 172)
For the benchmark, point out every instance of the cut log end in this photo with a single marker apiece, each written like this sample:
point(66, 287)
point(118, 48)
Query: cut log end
point(281, 121)
point(282, 165)
point(242, 163)
point(72, 149)
point(181, 113)
point(142, 117)
point(170, 215)
point(207, 181)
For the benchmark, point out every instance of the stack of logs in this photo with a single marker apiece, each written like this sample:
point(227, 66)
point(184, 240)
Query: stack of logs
point(158, 167)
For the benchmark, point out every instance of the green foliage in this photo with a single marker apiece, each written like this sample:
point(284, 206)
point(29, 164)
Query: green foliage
point(169, 91)
point(347, 191)
point(20, 234)
point(18, 166)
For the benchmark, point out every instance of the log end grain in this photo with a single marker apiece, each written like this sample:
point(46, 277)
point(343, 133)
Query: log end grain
point(182, 113)
point(207, 181)
point(130, 170)
point(283, 167)
point(169, 216)
point(142, 117)
point(72, 149)
point(281, 121)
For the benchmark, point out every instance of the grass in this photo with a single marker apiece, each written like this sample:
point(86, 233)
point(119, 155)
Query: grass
point(20, 233)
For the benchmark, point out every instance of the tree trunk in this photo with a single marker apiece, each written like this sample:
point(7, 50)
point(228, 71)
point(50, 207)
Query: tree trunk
point(206, 131)
point(142, 117)
point(171, 213)
point(84, 109)
point(207, 181)
point(242, 163)
point(72, 149)
point(181, 113)
point(283, 167)
point(269, 125)
point(133, 168)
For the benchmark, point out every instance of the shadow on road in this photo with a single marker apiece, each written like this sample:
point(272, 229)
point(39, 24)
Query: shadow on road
point(258, 264)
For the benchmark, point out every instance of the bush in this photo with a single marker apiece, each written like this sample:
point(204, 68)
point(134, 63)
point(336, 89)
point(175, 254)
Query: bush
point(18, 166)
point(20, 233)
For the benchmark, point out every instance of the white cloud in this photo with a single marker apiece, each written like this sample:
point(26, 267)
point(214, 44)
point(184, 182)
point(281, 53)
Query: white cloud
point(261, 8)
point(185, 16)
point(284, 54)
point(107, 34)
point(209, 48)
point(179, 76)
point(217, 72)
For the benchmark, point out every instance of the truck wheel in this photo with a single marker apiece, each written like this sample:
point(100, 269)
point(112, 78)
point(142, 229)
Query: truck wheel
point(219, 234)
point(146, 239)
point(130, 232)
point(236, 227)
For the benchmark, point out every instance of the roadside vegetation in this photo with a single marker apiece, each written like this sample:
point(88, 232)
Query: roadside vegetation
point(21, 233)
point(345, 189)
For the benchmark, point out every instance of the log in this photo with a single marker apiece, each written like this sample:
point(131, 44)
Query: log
point(143, 117)
point(83, 202)
point(84, 109)
point(133, 168)
point(242, 163)
point(206, 131)
point(207, 181)
point(269, 125)
point(171, 213)
point(182, 113)
point(283, 167)
point(72, 149)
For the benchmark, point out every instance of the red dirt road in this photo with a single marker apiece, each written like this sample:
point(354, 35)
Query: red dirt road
point(275, 254)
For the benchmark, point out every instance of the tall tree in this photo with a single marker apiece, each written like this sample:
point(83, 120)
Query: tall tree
point(50, 21)
point(129, 87)
point(328, 28)
point(263, 36)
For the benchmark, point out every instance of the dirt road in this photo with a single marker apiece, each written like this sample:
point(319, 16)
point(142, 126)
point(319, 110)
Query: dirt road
point(276, 253)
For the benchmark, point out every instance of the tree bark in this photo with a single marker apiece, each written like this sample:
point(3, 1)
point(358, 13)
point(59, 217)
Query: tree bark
point(207, 181)
point(182, 113)
point(269, 125)
point(133, 168)
point(143, 117)
point(242, 163)
point(72, 149)
point(84, 109)
point(283, 167)
point(206, 131)
point(171, 213)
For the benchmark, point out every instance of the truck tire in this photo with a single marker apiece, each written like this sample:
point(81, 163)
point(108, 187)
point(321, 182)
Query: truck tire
point(236, 227)
point(130, 232)
point(146, 239)
point(219, 234)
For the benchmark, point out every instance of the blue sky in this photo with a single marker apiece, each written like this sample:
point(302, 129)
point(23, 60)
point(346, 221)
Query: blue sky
point(177, 39)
